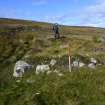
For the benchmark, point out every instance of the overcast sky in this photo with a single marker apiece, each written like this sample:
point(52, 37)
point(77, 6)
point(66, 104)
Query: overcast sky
point(68, 12)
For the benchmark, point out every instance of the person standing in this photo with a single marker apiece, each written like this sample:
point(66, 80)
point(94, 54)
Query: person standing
point(56, 31)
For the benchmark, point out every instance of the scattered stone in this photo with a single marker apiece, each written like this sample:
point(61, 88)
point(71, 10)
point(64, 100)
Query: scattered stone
point(56, 71)
point(77, 63)
point(49, 72)
point(30, 81)
point(53, 62)
point(20, 68)
point(60, 74)
point(42, 68)
point(81, 64)
point(37, 93)
point(18, 81)
point(93, 63)
point(59, 56)
point(93, 60)
point(92, 66)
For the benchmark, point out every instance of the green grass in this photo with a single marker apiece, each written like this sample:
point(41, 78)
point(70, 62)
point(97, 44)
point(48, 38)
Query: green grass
point(83, 87)
point(80, 87)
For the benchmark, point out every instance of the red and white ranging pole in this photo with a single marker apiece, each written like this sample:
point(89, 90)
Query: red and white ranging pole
point(69, 59)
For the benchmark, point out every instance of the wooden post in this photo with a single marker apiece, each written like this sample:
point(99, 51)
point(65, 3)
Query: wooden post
point(69, 59)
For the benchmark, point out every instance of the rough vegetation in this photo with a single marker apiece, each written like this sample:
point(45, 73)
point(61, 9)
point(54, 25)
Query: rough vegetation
point(34, 43)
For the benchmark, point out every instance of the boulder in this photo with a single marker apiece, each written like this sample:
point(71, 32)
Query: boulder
point(20, 68)
point(92, 66)
point(93, 63)
point(93, 60)
point(42, 68)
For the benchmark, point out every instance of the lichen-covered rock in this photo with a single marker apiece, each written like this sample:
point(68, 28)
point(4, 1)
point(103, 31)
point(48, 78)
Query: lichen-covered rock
point(20, 68)
point(42, 69)
point(92, 66)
